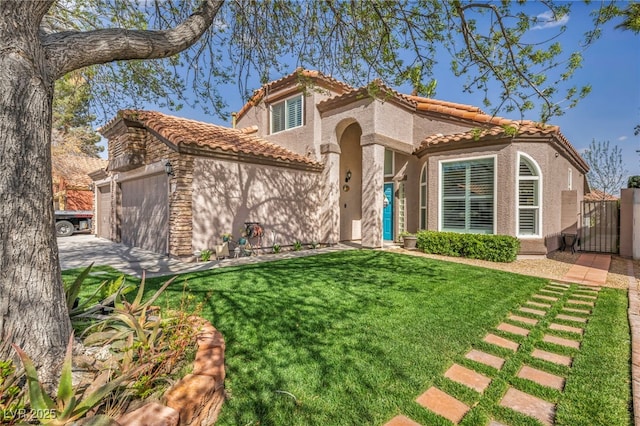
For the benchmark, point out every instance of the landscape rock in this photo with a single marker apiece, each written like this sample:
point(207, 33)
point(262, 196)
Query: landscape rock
point(197, 398)
point(152, 414)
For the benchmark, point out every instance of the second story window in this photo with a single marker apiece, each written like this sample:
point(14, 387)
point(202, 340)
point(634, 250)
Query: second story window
point(287, 114)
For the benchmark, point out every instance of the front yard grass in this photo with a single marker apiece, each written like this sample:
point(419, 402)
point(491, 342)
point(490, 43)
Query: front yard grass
point(352, 338)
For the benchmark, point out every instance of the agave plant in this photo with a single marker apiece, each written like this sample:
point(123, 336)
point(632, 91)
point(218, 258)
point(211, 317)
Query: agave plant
point(12, 396)
point(66, 408)
point(127, 319)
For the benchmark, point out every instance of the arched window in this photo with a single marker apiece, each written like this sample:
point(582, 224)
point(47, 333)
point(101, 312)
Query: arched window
point(423, 197)
point(529, 219)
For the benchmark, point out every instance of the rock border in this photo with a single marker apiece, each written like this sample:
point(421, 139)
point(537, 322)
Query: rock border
point(197, 398)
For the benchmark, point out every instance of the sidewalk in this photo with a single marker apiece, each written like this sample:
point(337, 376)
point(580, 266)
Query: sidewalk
point(589, 269)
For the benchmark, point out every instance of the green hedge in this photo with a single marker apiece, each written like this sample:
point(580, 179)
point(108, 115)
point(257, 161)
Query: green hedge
point(496, 248)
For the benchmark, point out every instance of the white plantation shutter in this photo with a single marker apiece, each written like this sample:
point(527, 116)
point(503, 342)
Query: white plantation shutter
point(528, 199)
point(277, 117)
point(294, 112)
point(468, 196)
point(286, 114)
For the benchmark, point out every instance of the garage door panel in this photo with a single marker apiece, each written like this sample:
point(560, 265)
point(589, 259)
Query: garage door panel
point(103, 212)
point(145, 213)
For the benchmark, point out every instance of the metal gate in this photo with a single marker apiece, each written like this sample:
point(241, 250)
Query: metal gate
point(600, 228)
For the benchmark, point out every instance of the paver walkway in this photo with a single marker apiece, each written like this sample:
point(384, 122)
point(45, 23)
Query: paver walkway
point(590, 269)
point(566, 312)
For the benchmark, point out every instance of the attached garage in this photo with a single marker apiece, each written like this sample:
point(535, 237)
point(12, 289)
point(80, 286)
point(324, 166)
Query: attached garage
point(103, 212)
point(145, 213)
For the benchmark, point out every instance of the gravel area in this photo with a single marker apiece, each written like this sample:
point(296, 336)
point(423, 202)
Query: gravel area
point(553, 267)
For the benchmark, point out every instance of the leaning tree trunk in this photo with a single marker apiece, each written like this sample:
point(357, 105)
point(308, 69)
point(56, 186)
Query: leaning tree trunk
point(33, 312)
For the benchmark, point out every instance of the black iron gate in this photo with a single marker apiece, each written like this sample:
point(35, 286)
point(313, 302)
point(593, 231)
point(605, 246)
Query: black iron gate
point(600, 227)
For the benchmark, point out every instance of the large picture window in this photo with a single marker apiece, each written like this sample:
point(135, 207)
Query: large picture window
point(528, 197)
point(287, 114)
point(467, 200)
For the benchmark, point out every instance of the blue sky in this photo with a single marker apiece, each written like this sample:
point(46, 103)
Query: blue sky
point(611, 66)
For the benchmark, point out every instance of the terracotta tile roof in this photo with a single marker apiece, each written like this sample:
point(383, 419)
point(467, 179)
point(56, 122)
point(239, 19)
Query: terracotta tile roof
point(524, 128)
point(183, 132)
point(298, 76)
point(597, 195)
point(74, 169)
point(376, 88)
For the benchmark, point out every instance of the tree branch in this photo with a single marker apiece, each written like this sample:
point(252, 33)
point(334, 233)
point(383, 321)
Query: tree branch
point(71, 50)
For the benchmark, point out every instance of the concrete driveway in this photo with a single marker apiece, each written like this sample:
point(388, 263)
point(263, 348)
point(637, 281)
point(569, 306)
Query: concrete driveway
point(79, 251)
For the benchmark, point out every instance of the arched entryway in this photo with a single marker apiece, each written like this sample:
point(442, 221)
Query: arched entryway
point(350, 183)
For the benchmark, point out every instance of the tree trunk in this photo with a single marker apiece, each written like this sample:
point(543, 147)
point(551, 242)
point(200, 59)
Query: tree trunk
point(33, 311)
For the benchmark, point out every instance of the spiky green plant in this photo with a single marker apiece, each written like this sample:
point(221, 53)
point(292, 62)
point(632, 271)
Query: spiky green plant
point(66, 408)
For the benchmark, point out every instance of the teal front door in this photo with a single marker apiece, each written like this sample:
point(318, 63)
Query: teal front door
point(387, 213)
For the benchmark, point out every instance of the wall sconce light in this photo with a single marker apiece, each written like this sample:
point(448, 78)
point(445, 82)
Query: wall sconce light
point(348, 176)
point(557, 155)
point(385, 201)
point(168, 168)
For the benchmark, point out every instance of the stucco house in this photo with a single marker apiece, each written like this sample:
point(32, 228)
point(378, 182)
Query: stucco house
point(313, 159)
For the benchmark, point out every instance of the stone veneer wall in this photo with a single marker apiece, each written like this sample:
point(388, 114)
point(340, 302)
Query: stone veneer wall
point(180, 201)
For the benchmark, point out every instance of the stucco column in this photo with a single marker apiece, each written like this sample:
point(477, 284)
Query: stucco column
point(630, 223)
point(372, 191)
point(330, 215)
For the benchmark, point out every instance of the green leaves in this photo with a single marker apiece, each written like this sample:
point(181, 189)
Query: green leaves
point(66, 408)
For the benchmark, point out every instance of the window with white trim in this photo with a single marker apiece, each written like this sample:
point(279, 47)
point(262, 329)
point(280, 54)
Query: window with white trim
point(528, 197)
point(468, 196)
point(402, 208)
point(423, 197)
point(287, 114)
point(389, 163)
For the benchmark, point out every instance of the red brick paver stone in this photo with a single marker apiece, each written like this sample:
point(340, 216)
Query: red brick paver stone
point(557, 287)
point(485, 358)
point(541, 377)
point(502, 342)
point(513, 329)
point(401, 421)
point(472, 379)
point(561, 341)
point(571, 318)
point(551, 292)
point(443, 404)
point(538, 304)
point(523, 319)
point(585, 294)
point(551, 357)
point(542, 296)
point(579, 311)
point(529, 405)
point(580, 302)
point(533, 311)
point(568, 328)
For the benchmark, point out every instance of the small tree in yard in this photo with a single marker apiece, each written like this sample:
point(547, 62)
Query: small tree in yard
point(108, 45)
point(606, 168)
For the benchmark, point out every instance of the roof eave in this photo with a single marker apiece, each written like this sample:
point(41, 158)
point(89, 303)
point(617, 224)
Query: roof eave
point(228, 155)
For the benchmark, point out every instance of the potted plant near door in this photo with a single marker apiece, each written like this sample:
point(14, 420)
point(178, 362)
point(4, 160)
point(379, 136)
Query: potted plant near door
point(409, 240)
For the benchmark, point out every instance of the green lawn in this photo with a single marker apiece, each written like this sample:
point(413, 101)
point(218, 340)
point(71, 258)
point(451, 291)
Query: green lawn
point(352, 338)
